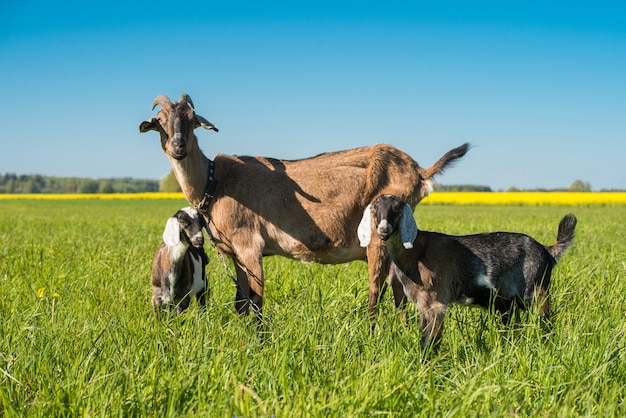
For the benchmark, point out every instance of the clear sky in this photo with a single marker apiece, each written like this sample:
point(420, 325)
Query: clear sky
point(538, 87)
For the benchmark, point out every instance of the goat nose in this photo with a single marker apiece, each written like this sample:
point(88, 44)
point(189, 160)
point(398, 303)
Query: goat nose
point(178, 146)
point(384, 227)
point(178, 139)
point(197, 239)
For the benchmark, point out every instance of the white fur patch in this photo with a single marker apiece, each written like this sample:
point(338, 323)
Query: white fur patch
point(190, 211)
point(364, 231)
point(171, 233)
point(178, 251)
point(428, 187)
point(197, 286)
point(484, 281)
point(172, 280)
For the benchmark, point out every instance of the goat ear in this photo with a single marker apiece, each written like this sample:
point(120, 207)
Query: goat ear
point(408, 227)
point(364, 231)
point(171, 234)
point(206, 124)
point(149, 125)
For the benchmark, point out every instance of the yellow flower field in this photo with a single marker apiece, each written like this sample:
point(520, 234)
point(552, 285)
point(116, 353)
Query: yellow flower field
point(94, 196)
point(526, 198)
point(436, 198)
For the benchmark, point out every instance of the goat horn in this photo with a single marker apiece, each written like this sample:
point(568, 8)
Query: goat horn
point(161, 100)
point(184, 98)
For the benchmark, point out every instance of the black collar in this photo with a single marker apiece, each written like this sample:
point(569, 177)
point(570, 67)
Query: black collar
point(209, 189)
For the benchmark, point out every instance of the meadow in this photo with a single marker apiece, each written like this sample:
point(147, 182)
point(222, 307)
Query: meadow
point(78, 336)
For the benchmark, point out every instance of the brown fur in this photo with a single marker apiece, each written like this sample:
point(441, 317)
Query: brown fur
point(305, 209)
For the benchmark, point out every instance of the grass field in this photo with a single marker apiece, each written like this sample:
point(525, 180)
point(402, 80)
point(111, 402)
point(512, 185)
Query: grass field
point(78, 336)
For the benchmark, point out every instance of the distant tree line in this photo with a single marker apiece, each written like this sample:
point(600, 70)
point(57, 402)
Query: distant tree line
point(575, 186)
point(12, 183)
point(460, 188)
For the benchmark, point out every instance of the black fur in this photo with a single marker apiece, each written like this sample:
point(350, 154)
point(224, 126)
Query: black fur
point(498, 269)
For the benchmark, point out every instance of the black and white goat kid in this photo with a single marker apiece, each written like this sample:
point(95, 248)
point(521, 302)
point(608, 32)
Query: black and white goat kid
point(499, 269)
point(178, 269)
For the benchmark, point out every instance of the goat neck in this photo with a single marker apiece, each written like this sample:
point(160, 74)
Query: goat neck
point(192, 173)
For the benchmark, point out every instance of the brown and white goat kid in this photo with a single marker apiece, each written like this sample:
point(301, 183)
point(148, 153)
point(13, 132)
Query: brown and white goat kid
point(178, 269)
point(494, 270)
point(306, 209)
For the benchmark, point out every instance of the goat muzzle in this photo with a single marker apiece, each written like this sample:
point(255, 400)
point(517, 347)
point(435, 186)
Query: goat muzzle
point(178, 146)
point(197, 242)
point(179, 154)
point(384, 230)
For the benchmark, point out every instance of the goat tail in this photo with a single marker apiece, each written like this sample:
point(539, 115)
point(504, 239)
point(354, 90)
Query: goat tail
point(446, 161)
point(565, 236)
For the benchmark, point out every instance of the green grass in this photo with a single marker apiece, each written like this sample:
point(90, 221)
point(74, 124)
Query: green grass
point(78, 336)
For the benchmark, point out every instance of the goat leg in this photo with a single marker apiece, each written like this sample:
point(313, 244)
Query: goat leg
point(431, 326)
point(202, 298)
point(250, 281)
point(377, 260)
point(395, 281)
point(242, 295)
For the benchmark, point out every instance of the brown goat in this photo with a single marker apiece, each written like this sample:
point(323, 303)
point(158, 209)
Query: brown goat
point(305, 209)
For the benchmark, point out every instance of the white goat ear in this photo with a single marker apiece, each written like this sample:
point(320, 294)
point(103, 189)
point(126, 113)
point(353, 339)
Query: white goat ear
point(364, 231)
point(408, 227)
point(171, 234)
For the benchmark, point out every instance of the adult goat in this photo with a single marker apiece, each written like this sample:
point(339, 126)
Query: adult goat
point(305, 209)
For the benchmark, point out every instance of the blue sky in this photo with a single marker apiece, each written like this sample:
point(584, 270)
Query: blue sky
point(538, 88)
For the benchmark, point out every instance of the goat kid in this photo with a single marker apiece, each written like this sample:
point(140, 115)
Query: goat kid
point(306, 209)
point(493, 270)
point(178, 269)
